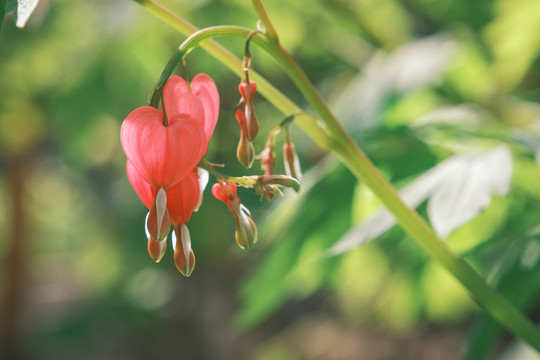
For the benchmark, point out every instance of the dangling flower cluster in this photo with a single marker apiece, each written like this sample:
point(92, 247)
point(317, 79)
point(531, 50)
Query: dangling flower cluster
point(247, 120)
point(163, 149)
point(266, 185)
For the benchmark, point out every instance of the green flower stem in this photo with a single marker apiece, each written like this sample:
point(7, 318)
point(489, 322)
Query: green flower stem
point(246, 181)
point(354, 158)
point(185, 48)
point(265, 20)
point(253, 181)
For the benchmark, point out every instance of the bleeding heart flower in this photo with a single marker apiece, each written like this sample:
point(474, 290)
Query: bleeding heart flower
point(164, 154)
point(163, 148)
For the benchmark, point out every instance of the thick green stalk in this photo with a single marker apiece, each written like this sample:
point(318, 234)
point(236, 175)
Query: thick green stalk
point(353, 157)
point(265, 20)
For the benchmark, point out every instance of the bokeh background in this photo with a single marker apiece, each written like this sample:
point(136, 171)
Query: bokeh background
point(414, 81)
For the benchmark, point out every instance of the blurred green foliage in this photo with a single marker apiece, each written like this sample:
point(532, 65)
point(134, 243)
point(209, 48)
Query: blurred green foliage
point(414, 81)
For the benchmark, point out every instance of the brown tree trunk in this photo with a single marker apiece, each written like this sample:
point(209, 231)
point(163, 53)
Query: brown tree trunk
point(14, 264)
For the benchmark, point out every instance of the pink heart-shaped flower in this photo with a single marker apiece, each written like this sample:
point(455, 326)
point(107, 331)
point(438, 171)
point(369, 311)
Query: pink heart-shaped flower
point(202, 101)
point(162, 155)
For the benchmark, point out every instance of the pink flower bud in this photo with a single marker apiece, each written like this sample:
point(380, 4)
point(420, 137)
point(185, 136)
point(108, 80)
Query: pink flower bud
point(292, 163)
point(241, 119)
point(225, 192)
point(268, 161)
point(247, 90)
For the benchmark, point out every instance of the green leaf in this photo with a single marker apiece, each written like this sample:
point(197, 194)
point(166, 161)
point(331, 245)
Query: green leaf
point(520, 285)
point(6, 7)
point(457, 190)
point(11, 5)
point(2, 11)
point(468, 187)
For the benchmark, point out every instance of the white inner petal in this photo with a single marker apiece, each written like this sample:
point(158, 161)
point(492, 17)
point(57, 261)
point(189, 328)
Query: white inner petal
point(162, 245)
point(247, 114)
point(161, 206)
point(297, 170)
point(186, 243)
point(203, 181)
point(244, 228)
point(173, 240)
point(203, 178)
point(245, 210)
point(146, 226)
point(287, 166)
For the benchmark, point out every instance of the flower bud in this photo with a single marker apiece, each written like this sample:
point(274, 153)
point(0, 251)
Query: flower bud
point(268, 161)
point(252, 123)
point(241, 119)
point(246, 231)
point(184, 258)
point(247, 90)
point(158, 221)
point(245, 152)
point(292, 163)
point(225, 191)
point(156, 249)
